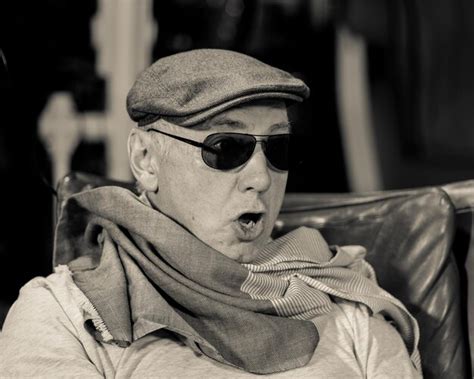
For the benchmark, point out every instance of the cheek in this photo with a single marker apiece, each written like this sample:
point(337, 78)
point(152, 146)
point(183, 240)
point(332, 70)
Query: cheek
point(277, 192)
point(197, 194)
point(279, 184)
point(210, 196)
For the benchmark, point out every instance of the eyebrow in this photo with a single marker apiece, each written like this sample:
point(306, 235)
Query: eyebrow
point(281, 125)
point(235, 124)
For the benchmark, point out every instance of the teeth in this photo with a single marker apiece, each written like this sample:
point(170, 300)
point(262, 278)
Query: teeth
point(248, 224)
point(250, 217)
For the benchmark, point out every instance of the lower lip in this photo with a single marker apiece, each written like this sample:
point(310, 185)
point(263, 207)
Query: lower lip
point(248, 233)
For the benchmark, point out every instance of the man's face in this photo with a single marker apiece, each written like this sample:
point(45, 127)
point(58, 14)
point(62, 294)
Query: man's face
point(233, 211)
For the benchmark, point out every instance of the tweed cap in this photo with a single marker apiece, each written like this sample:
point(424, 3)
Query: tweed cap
point(188, 88)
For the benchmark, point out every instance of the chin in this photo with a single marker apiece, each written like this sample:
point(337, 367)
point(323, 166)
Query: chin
point(247, 259)
point(246, 254)
point(240, 251)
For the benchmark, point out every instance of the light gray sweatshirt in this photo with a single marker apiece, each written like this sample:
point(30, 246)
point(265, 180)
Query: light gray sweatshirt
point(44, 336)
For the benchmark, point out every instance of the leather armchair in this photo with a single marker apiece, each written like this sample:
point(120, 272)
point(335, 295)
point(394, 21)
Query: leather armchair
point(417, 240)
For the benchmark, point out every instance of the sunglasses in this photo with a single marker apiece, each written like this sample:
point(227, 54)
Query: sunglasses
point(225, 151)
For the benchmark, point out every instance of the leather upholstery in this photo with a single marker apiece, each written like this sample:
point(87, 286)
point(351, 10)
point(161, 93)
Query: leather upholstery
point(409, 236)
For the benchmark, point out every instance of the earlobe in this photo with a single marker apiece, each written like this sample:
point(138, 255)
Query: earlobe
point(142, 163)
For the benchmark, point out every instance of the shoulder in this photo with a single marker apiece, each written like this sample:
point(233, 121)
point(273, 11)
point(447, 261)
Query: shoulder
point(43, 333)
point(44, 304)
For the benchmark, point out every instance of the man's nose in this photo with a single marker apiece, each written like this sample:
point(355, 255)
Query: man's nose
point(255, 175)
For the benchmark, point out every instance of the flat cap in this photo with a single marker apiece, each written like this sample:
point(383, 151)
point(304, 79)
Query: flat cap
point(188, 88)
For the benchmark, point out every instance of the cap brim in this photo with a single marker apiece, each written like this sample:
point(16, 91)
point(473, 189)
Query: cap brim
point(196, 118)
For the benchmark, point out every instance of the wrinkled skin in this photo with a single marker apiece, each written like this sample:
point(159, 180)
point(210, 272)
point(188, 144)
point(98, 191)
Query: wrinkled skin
point(208, 201)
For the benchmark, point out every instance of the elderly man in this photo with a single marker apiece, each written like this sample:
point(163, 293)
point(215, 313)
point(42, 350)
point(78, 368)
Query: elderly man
point(184, 279)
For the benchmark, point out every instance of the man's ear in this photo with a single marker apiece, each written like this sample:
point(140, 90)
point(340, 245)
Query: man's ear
point(142, 160)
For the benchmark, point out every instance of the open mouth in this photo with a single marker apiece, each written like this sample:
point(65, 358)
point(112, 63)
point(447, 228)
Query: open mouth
point(249, 219)
point(250, 225)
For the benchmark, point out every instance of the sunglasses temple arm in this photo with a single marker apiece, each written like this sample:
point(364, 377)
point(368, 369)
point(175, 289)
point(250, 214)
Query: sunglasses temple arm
point(185, 140)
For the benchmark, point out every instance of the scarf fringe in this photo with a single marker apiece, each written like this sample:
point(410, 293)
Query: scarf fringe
point(89, 310)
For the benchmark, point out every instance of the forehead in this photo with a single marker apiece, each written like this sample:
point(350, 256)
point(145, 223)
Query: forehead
point(253, 118)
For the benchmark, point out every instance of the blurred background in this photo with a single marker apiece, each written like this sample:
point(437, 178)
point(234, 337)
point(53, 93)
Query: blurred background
point(391, 106)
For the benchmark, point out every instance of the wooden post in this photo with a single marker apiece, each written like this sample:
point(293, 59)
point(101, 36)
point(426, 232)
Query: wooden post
point(353, 98)
point(123, 34)
point(60, 133)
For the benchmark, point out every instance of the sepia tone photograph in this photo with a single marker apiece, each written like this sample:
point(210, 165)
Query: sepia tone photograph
point(237, 189)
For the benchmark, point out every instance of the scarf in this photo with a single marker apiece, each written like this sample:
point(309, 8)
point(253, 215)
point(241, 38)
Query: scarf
point(142, 271)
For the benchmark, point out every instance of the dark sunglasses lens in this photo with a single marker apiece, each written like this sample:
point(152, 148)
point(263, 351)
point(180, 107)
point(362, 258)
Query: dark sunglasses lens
point(277, 151)
point(226, 151)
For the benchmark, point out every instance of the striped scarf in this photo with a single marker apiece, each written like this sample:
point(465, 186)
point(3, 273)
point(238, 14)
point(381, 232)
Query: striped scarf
point(142, 272)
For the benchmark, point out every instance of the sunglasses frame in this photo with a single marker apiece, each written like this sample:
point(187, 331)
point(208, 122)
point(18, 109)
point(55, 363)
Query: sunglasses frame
point(258, 138)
